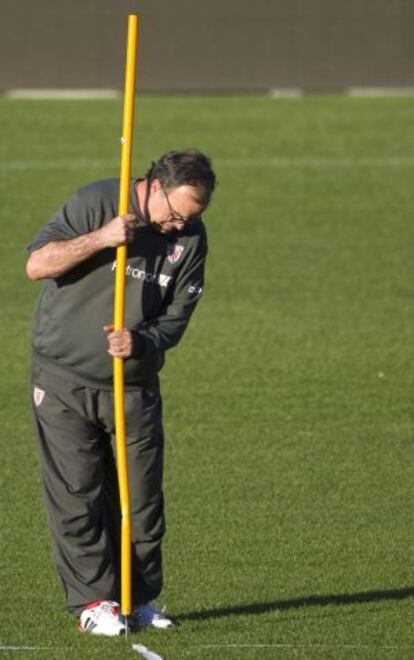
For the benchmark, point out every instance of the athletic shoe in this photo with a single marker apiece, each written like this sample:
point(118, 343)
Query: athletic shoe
point(150, 615)
point(102, 618)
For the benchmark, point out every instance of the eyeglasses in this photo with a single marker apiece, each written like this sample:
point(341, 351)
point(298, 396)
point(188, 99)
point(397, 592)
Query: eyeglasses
point(174, 215)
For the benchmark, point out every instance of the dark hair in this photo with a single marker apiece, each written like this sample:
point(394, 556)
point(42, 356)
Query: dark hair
point(179, 168)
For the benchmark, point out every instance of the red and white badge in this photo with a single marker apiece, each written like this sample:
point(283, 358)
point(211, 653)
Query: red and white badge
point(174, 252)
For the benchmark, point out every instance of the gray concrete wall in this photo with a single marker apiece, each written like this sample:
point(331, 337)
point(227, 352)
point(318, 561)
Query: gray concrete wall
point(208, 45)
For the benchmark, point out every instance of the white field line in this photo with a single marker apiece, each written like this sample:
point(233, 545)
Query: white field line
point(145, 652)
point(46, 165)
point(310, 162)
point(379, 91)
point(62, 94)
point(356, 92)
point(292, 646)
point(319, 162)
point(150, 655)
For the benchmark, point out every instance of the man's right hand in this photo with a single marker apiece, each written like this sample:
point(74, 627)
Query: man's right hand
point(59, 257)
point(118, 231)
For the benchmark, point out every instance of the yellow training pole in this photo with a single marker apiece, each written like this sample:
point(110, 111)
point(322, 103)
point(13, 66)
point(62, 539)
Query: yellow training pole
point(119, 314)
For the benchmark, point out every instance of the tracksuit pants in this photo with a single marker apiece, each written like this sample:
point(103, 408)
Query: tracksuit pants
point(75, 430)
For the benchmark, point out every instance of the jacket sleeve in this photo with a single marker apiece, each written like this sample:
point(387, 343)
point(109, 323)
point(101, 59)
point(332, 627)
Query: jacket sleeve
point(164, 332)
point(74, 218)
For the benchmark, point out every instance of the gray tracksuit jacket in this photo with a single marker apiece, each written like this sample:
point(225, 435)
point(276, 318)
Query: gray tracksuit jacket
point(164, 281)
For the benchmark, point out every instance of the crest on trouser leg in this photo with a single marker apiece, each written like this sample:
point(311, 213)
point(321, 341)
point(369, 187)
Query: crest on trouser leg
point(38, 396)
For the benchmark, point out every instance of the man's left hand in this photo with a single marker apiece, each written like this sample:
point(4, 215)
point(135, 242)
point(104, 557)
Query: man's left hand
point(119, 342)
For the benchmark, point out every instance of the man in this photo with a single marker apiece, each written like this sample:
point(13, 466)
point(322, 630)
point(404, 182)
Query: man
point(73, 343)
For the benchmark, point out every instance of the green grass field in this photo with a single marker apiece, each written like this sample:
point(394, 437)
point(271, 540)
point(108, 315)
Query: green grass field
point(288, 405)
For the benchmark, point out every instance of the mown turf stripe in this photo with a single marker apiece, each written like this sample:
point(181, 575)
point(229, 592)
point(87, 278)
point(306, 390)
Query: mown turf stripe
point(279, 162)
point(28, 648)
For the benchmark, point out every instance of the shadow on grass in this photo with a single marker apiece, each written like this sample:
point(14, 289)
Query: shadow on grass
point(306, 601)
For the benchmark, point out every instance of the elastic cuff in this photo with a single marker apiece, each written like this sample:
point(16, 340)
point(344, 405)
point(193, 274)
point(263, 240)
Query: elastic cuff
point(138, 345)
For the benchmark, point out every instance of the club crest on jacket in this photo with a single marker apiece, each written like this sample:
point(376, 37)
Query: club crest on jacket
point(174, 252)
